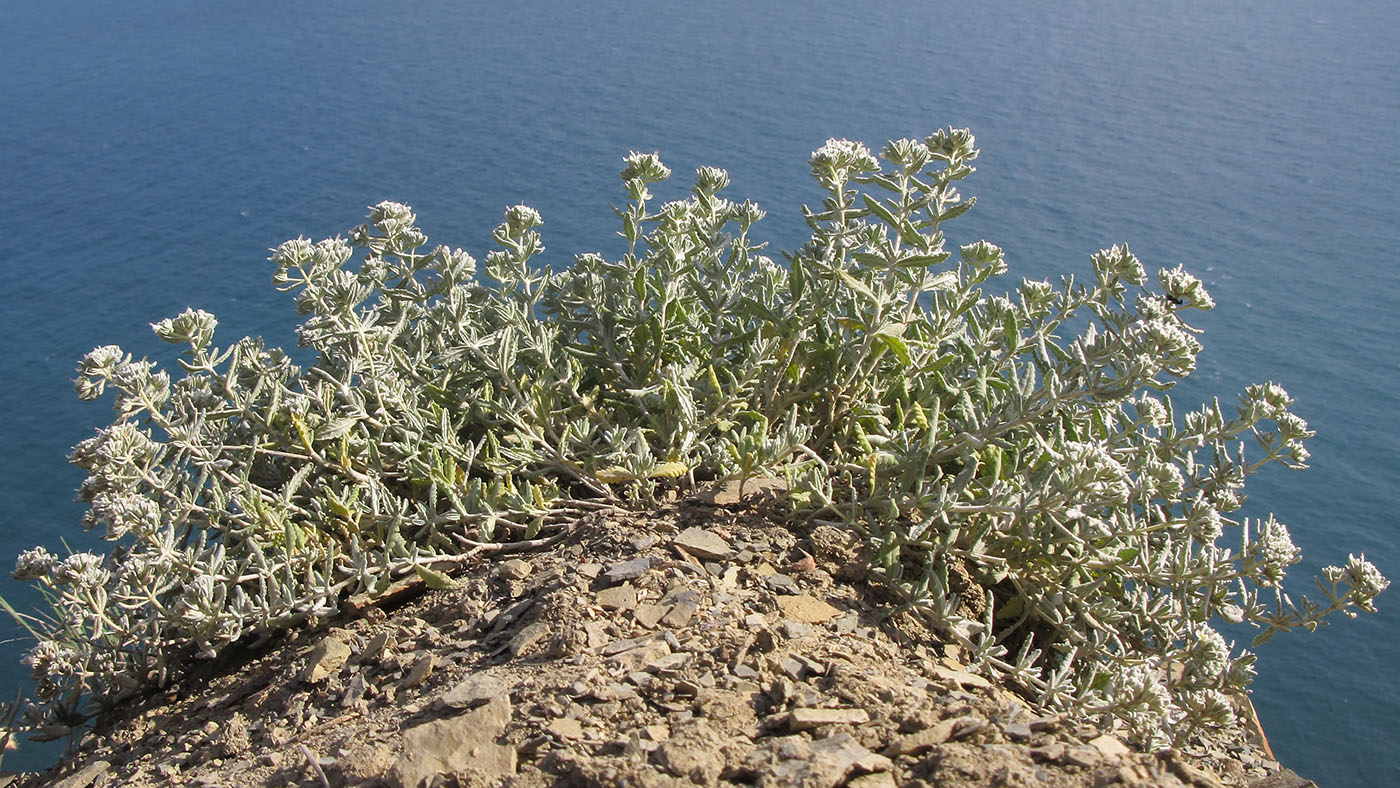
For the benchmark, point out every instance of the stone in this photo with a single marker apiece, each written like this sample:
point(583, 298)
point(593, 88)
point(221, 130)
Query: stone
point(656, 732)
point(327, 658)
point(375, 649)
point(781, 583)
point(355, 691)
point(1200, 778)
point(961, 677)
point(805, 608)
point(1052, 752)
point(734, 491)
point(1110, 746)
point(590, 570)
point(474, 690)
point(566, 728)
point(807, 719)
point(702, 544)
point(623, 597)
point(794, 629)
point(830, 763)
point(460, 745)
point(527, 637)
point(1017, 731)
point(514, 569)
point(875, 780)
point(641, 656)
point(649, 615)
point(945, 730)
point(627, 570)
point(1283, 778)
point(792, 668)
point(419, 673)
point(87, 775)
point(679, 615)
point(619, 646)
point(666, 663)
point(1082, 756)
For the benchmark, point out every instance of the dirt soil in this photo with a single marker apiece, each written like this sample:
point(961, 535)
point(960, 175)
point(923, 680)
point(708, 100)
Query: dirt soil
point(692, 645)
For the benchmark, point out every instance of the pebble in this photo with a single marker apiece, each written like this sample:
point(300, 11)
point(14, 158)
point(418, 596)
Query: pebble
point(515, 569)
point(649, 615)
point(566, 728)
point(1082, 756)
point(679, 615)
point(1110, 746)
point(794, 629)
point(327, 658)
point(623, 597)
point(702, 544)
point(627, 570)
point(807, 719)
point(781, 583)
point(422, 668)
point(805, 607)
point(962, 677)
point(527, 637)
point(1017, 731)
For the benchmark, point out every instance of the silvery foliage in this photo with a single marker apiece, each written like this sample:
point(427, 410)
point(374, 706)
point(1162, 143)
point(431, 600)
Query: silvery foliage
point(450, 417)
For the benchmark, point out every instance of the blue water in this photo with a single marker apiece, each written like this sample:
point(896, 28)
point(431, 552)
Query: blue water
point(151, 152)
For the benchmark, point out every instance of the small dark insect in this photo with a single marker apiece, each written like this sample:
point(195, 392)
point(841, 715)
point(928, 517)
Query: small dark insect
point(1175, 301)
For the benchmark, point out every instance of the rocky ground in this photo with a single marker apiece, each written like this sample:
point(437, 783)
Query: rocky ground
point(699, 644)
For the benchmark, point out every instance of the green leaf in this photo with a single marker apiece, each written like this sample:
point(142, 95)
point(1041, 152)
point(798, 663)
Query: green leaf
point(957, 210)
point(438, 581)
point(859, 286)
point(917, 260)
point(336, 428)
point(894, 344)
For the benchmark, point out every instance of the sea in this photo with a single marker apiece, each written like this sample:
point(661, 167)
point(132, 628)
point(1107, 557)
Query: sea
point(152, 151)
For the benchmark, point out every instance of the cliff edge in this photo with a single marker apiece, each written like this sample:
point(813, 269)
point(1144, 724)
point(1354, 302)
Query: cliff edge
point(703, 643)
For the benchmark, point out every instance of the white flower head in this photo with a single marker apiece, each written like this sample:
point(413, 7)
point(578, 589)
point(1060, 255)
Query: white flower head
point(1265, 401)
point(1118, 263)
point(193, 326)
point(391, 217)
point(520, 218)
point(1204, 521)
point(1365, 579)
point(1275, 550)
point(1151, 411)
point(709, 180)
point(1184, 289)
point(645, 167)
point(34, 564)
point(1210, 655)
point(80, 569)
point(839, 159)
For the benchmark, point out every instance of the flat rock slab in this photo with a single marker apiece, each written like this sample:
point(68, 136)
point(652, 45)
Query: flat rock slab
point(461, 745)
point(806, 608)
point(833, 760)
point(627, 570)
point(962, 677)
point(1284, 778)
point(623, 597)
point(85, 776)
point(702, 543)
point(805, 719)
point(327, 658)
point(474, 690)
point(733, 492)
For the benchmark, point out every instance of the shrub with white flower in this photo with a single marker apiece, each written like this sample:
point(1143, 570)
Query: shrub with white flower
point(906, 393)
